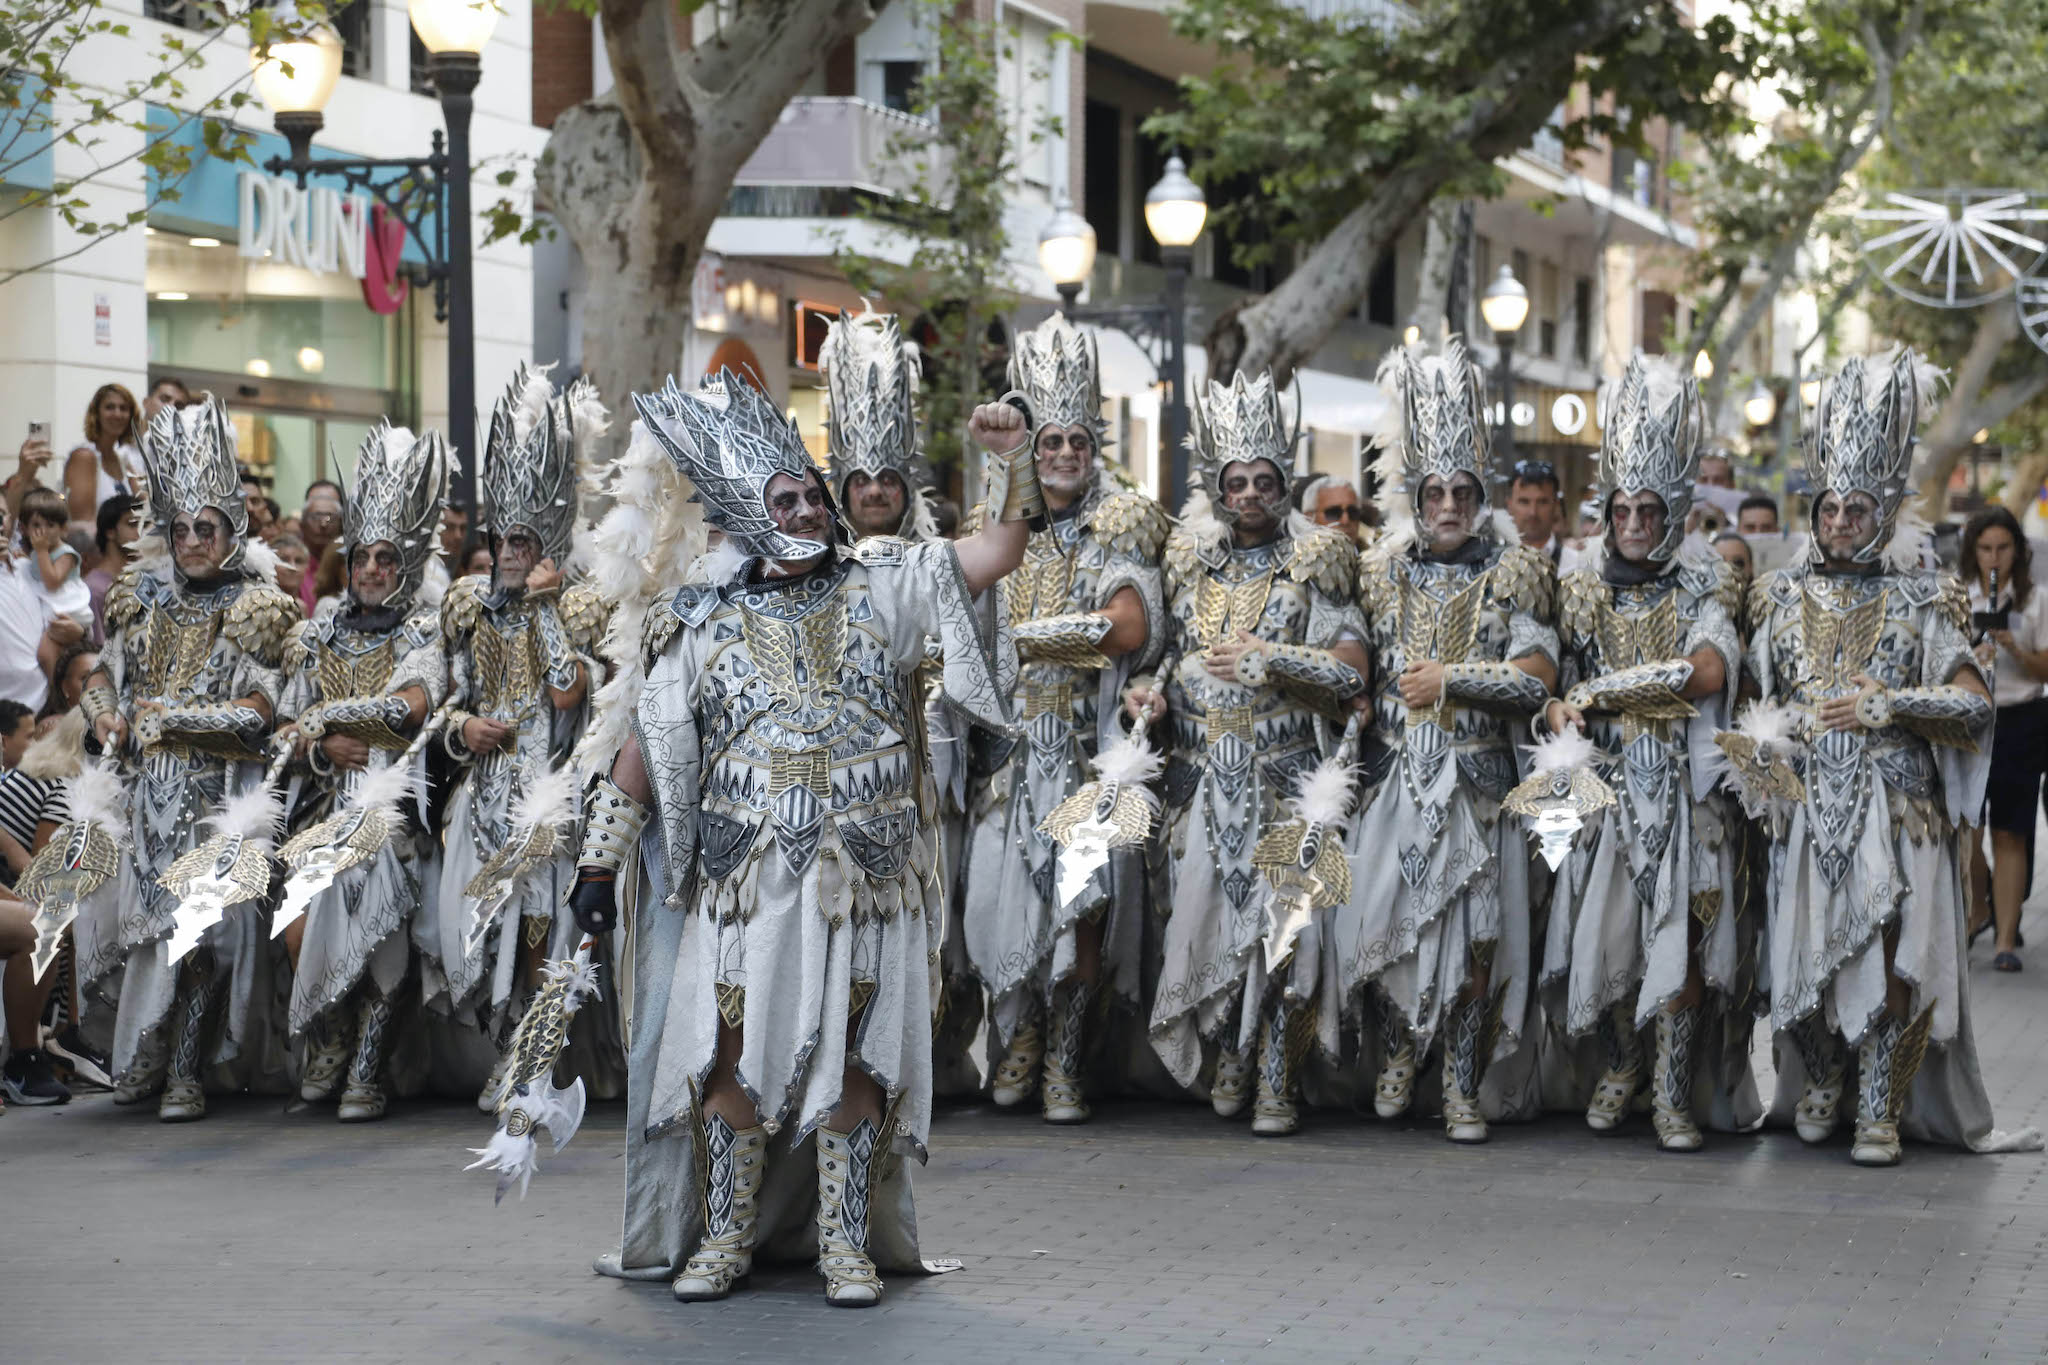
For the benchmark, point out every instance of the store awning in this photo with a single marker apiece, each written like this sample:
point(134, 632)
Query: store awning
point(1126, 369)
point(1329, 402)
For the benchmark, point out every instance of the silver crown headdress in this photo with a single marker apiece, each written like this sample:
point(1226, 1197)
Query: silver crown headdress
point(1055, 369)
point(1235, 422)
point(401, 485)
point(537, 438)
point(1652, 425)
point(729, 439)
point(872, 378)
point(1438, 419)
point(189, 453)
point(1863, 438)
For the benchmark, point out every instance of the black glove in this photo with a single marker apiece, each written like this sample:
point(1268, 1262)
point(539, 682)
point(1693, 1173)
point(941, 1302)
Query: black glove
point(595, 902)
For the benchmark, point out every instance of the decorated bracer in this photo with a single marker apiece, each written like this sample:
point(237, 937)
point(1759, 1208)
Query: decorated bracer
point(1440, 882)
point(1019, 932)
point(199, 657)
point(1872, 851)
point(341, 680)
point(789, 882)
point(1239, 750)
point(1654, 872)
point(505, 651)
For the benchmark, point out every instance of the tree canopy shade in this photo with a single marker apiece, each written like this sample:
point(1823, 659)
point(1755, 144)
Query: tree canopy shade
point(1350, 125)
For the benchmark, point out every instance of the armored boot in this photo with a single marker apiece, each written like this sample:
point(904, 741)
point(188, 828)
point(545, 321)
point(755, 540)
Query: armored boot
point(1066, 1043)
point(1395, 1085)
point(846, 1172)
point(1233, 1083)
point(184, 1099)
point(1624, 1053)
point(732, 1164)
point(1886, 1064)
point(1671, 1083)
point(145, 1073)
point(1826, 1061)
point(487, 1098)
point(1464, 1065)
point(363, 1099)
point(1283, 1042)
point(1017, 1074)
point(326, 1054)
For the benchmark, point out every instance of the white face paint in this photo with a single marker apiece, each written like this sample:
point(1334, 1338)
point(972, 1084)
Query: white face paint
point(1638, 521)
point(1445, 513)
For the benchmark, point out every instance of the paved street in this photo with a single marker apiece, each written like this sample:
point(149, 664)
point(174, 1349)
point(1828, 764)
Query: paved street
point(1155, 1233)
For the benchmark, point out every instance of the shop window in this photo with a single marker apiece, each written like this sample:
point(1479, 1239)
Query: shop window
point(899, 85)
point(807, 337)
point(352, 22)
point(1102, 127)
point(1582, 320)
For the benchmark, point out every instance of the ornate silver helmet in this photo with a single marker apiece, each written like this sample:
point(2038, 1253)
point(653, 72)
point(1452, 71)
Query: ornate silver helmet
point(1055, 369)
point(1652, 426)
point(537, 439)
point(1438, 419)
point(872, 378)
point(189, 453)
point(1862, 439)
point(729, 439)
point(401, 486)
point(1239, 421)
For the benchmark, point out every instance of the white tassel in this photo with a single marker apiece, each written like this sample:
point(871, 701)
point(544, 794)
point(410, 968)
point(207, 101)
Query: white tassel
point(1326, 794)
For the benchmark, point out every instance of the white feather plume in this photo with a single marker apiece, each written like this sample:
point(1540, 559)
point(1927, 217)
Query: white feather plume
point(1198, 520)
point(1566, 749)
point(581, 976)
point(384, 788)
point(1129, 760)
point(723, 563)
point(98, 796)
point(259, 561)
point(153, 554)
point(553, 800)
point(530, 405)
point(1772, 723)
point(255, 814)
point(1326, 794)
point(589, 420)
point(515, 1159)
point(60, 753)
point(1911, 535)
point(924, 526)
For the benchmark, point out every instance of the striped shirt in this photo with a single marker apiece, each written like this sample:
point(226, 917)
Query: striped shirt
point(25, 802)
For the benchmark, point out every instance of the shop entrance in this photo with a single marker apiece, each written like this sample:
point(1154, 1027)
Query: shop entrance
point(292, 434)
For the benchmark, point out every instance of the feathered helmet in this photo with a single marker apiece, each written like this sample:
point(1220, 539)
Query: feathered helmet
point(1054, 368)
point(1652, 426)
point(189, 454)
point(537, 439)
point(1239, 422)
point(401, 487)
point(1862, 439)
point(871, 376)
point(729, 439)
point(1437, 423)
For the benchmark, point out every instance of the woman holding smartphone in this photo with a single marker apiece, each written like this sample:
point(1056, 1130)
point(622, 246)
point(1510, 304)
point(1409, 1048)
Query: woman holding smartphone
point(2009, 623)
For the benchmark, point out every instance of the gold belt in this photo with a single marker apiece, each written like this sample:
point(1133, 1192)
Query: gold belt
point(800, 768)
point(1056, 699)
point(1230, 720)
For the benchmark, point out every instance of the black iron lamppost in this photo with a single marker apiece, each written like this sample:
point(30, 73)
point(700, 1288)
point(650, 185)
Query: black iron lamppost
point(454, 33)
point(1505, 307)
point(1175, 211)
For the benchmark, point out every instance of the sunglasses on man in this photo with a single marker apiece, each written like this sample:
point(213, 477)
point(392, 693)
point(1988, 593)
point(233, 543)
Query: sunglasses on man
point(1333, 515)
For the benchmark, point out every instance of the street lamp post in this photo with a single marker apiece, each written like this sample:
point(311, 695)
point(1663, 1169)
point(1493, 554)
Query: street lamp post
point(1505, 307)
point(454, 33)
point(1175, 211)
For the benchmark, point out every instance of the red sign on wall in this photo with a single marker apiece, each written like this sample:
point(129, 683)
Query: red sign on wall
point(383, 290)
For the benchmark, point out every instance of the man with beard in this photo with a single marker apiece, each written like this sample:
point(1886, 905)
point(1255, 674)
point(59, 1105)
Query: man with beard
point(1437, 926)
point(786, 889)
point(520, 649)
point(358, 684)
point(1085, 608)
point(186, 691)
point(1643, 922)
point(1271, 648)
point(1872, 653)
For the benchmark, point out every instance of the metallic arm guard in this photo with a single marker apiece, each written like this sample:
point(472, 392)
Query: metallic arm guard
point(1495, 687)
point(562, 663)
point(377, 721)
point(613, 828)
point(1071, 640)
point(99, 700)
point(1949, 715)
point(1645, 691)
point(451, 736)
point(1011, 489)
point(228, 729)
point(1314, 676)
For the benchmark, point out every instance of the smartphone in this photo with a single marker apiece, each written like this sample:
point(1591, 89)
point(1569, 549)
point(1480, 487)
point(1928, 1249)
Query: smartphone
point(39, 431)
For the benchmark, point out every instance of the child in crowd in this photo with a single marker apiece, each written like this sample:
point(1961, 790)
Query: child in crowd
point(49, 564)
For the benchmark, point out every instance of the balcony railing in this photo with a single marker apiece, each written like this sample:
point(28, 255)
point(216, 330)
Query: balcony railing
point(1387, 14)
point(827, 151)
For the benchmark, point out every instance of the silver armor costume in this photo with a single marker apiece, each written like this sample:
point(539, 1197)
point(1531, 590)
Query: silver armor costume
point(1238, 750)
point(1440, 893)
point(506, 648)
point(1652, 875)
point(789, 884)
point(203, 651)
point(1020, 934)
point(1870, 854)
point(342, 675)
